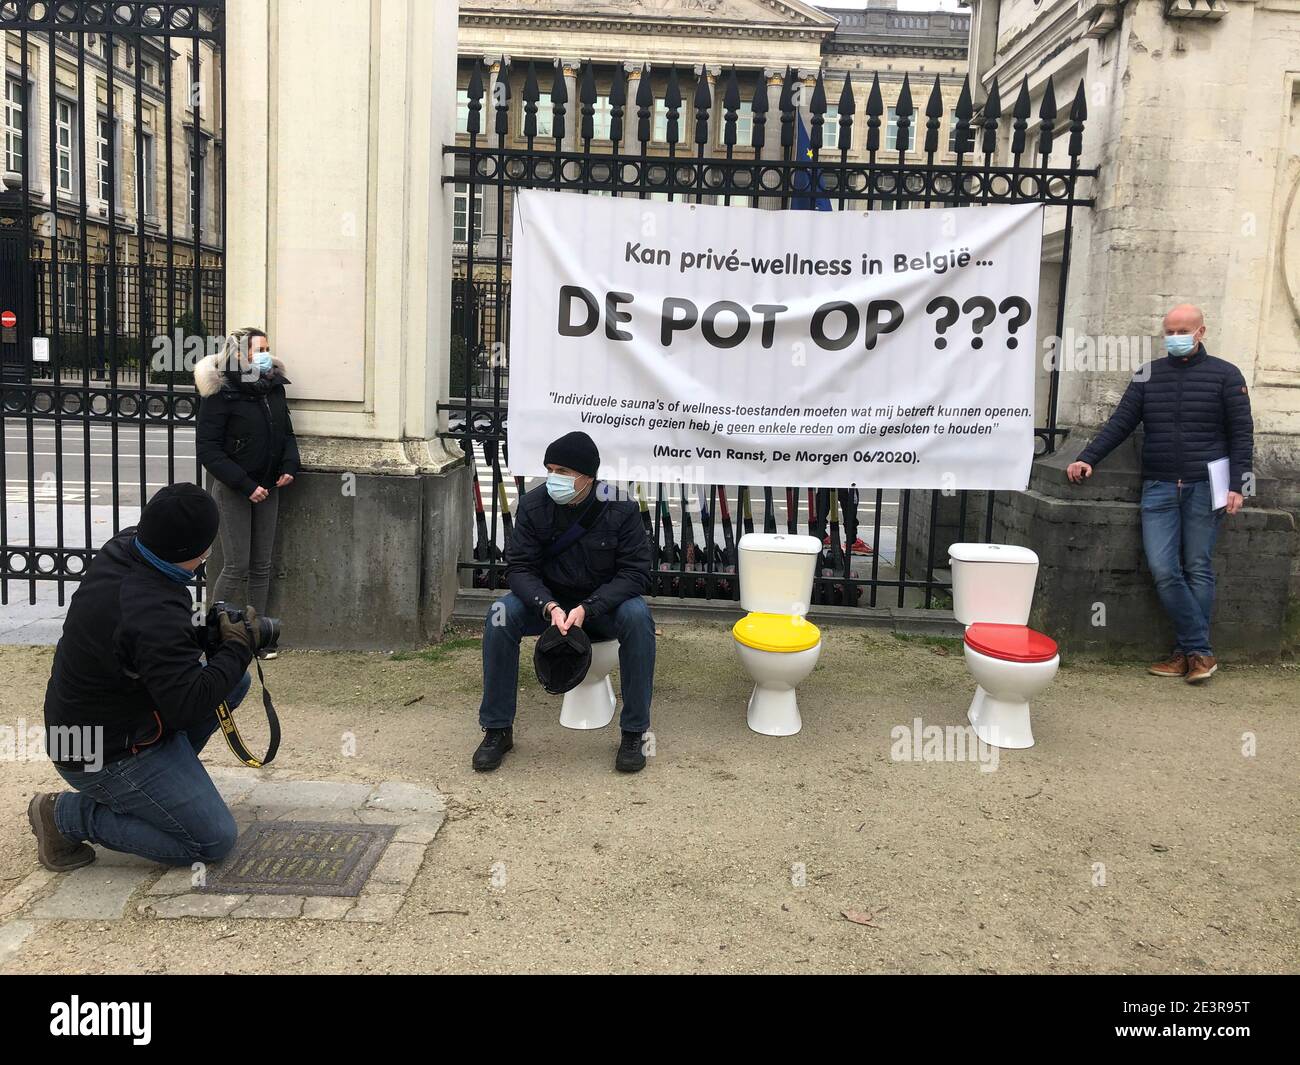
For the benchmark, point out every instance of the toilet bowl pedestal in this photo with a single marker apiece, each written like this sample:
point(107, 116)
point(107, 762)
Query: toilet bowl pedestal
point(999, 712)
point(1000, 722)
point(592, 703)
point(773, 711)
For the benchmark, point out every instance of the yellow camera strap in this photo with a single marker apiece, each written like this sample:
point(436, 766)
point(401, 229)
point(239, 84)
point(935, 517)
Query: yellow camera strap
point(231, 731)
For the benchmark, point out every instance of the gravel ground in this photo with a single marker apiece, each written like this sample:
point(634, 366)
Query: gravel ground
point(1135, 837)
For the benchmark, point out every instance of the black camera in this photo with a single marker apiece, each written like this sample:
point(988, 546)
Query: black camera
point(267, 630)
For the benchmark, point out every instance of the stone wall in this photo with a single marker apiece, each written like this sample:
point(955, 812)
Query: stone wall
point(1095, 592)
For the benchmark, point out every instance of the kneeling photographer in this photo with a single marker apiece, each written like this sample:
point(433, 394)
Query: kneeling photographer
point(129, 679)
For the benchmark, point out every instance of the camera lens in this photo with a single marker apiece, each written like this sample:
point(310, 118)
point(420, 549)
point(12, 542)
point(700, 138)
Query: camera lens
point(268, 633)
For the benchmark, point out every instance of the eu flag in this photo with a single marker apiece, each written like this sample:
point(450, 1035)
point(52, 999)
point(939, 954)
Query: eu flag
point(806, 180)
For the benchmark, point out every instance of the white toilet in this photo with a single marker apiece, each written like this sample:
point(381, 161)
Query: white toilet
point(591, 704)
point(777, 644)
point(992, 591)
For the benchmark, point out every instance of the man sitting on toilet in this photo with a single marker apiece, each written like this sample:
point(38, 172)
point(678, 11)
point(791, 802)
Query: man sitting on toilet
point(593, 577)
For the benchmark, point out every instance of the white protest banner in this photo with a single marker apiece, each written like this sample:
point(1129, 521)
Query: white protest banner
point(723, 345)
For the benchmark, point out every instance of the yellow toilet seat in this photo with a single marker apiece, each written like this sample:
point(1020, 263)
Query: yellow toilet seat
point(782, 633)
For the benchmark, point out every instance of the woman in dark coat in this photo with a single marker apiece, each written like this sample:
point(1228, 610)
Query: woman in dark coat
point(245, 441)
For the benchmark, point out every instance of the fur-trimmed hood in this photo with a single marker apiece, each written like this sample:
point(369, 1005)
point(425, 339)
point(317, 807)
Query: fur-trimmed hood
point(209, 378)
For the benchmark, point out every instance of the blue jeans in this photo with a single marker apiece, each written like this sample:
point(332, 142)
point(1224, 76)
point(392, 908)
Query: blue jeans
point(1178, 533)
point(160, 803)
point(509, 620)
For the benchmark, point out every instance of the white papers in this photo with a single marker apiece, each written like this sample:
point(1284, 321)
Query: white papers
point(1218, 482)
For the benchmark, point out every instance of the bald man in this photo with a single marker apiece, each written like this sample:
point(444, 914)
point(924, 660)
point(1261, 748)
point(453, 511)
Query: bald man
point(1195, 410)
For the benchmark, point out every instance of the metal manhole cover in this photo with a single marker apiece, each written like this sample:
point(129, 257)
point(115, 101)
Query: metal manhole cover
point(300, 858)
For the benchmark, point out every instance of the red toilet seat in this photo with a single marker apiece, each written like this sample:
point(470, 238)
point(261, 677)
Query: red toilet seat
point(1010, 643)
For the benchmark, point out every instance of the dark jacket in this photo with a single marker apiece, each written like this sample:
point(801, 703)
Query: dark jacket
point(245, 435)
point(1194, 409)
point(608, 564)
point(128, 659)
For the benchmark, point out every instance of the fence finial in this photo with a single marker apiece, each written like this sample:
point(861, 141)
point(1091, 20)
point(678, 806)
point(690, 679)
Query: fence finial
point(673, 104)
point(817, 107)
point(617, 105)
point(903, 115)
point(787, 109)
point(587, 97)
point(933, 113)
point(848, 108)
point(730, 105)
point(1078, 115)
point(501, 97)
point(645, 102)
point(875, 108)
point(703, 104)
point(1020, 117)
point(530, 97)
point(474, 95)
point(992, 115)
point(1046, 121)
point(559, 97)
point(758, 106)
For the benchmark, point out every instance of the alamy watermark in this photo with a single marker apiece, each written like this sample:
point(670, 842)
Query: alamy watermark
point(919, 742)
point(59, 743)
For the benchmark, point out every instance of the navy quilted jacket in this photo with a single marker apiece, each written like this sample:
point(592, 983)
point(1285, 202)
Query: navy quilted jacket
point(606, 565)
point(1194, 409)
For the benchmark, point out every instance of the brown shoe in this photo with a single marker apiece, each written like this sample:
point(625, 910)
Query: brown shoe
point(54, 850)
point(1199, 668)
point(1173, 666)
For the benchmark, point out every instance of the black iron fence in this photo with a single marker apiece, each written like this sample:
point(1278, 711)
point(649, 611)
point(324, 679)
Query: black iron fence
point(479, 312)
point(151, 311)
point(645, 134)
point(112, 226)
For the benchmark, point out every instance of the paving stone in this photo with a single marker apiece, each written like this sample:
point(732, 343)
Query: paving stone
point(397, 795)
point(24, 891)
point(399, 865)
point(234, 784)
point(375, 908)
point(421, 831)
point(109, 859)
point(320, 794)
point(194, 905)
point(173, 882)
point(326, 907)
point(327, 815)
point(12, 936)
point(269, 906)
point(91, 893)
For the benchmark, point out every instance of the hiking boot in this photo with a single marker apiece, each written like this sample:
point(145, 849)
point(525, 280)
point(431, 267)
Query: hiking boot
point(496, 742)
point(54, 850)
point(1173, 666)
point(630, 757)
point(1199, 668)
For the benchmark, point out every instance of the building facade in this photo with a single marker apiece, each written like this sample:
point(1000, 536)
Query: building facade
point(699, 39)
point(112, 188)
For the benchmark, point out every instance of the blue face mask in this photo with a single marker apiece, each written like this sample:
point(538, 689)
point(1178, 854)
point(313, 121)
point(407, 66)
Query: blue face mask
point(1180, 344)
point(560, 487)
point(262, 360)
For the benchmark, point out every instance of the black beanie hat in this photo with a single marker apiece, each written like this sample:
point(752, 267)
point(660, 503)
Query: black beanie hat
point(562, 659)
point(577, 451)
point(180, 522)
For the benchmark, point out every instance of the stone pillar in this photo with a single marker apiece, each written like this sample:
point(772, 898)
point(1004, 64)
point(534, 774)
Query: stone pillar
point(572, 107)
point(339, 232)
point(772, 130)
point(630, 145)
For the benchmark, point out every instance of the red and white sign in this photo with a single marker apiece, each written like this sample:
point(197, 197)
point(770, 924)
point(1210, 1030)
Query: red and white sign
point(8, 319)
